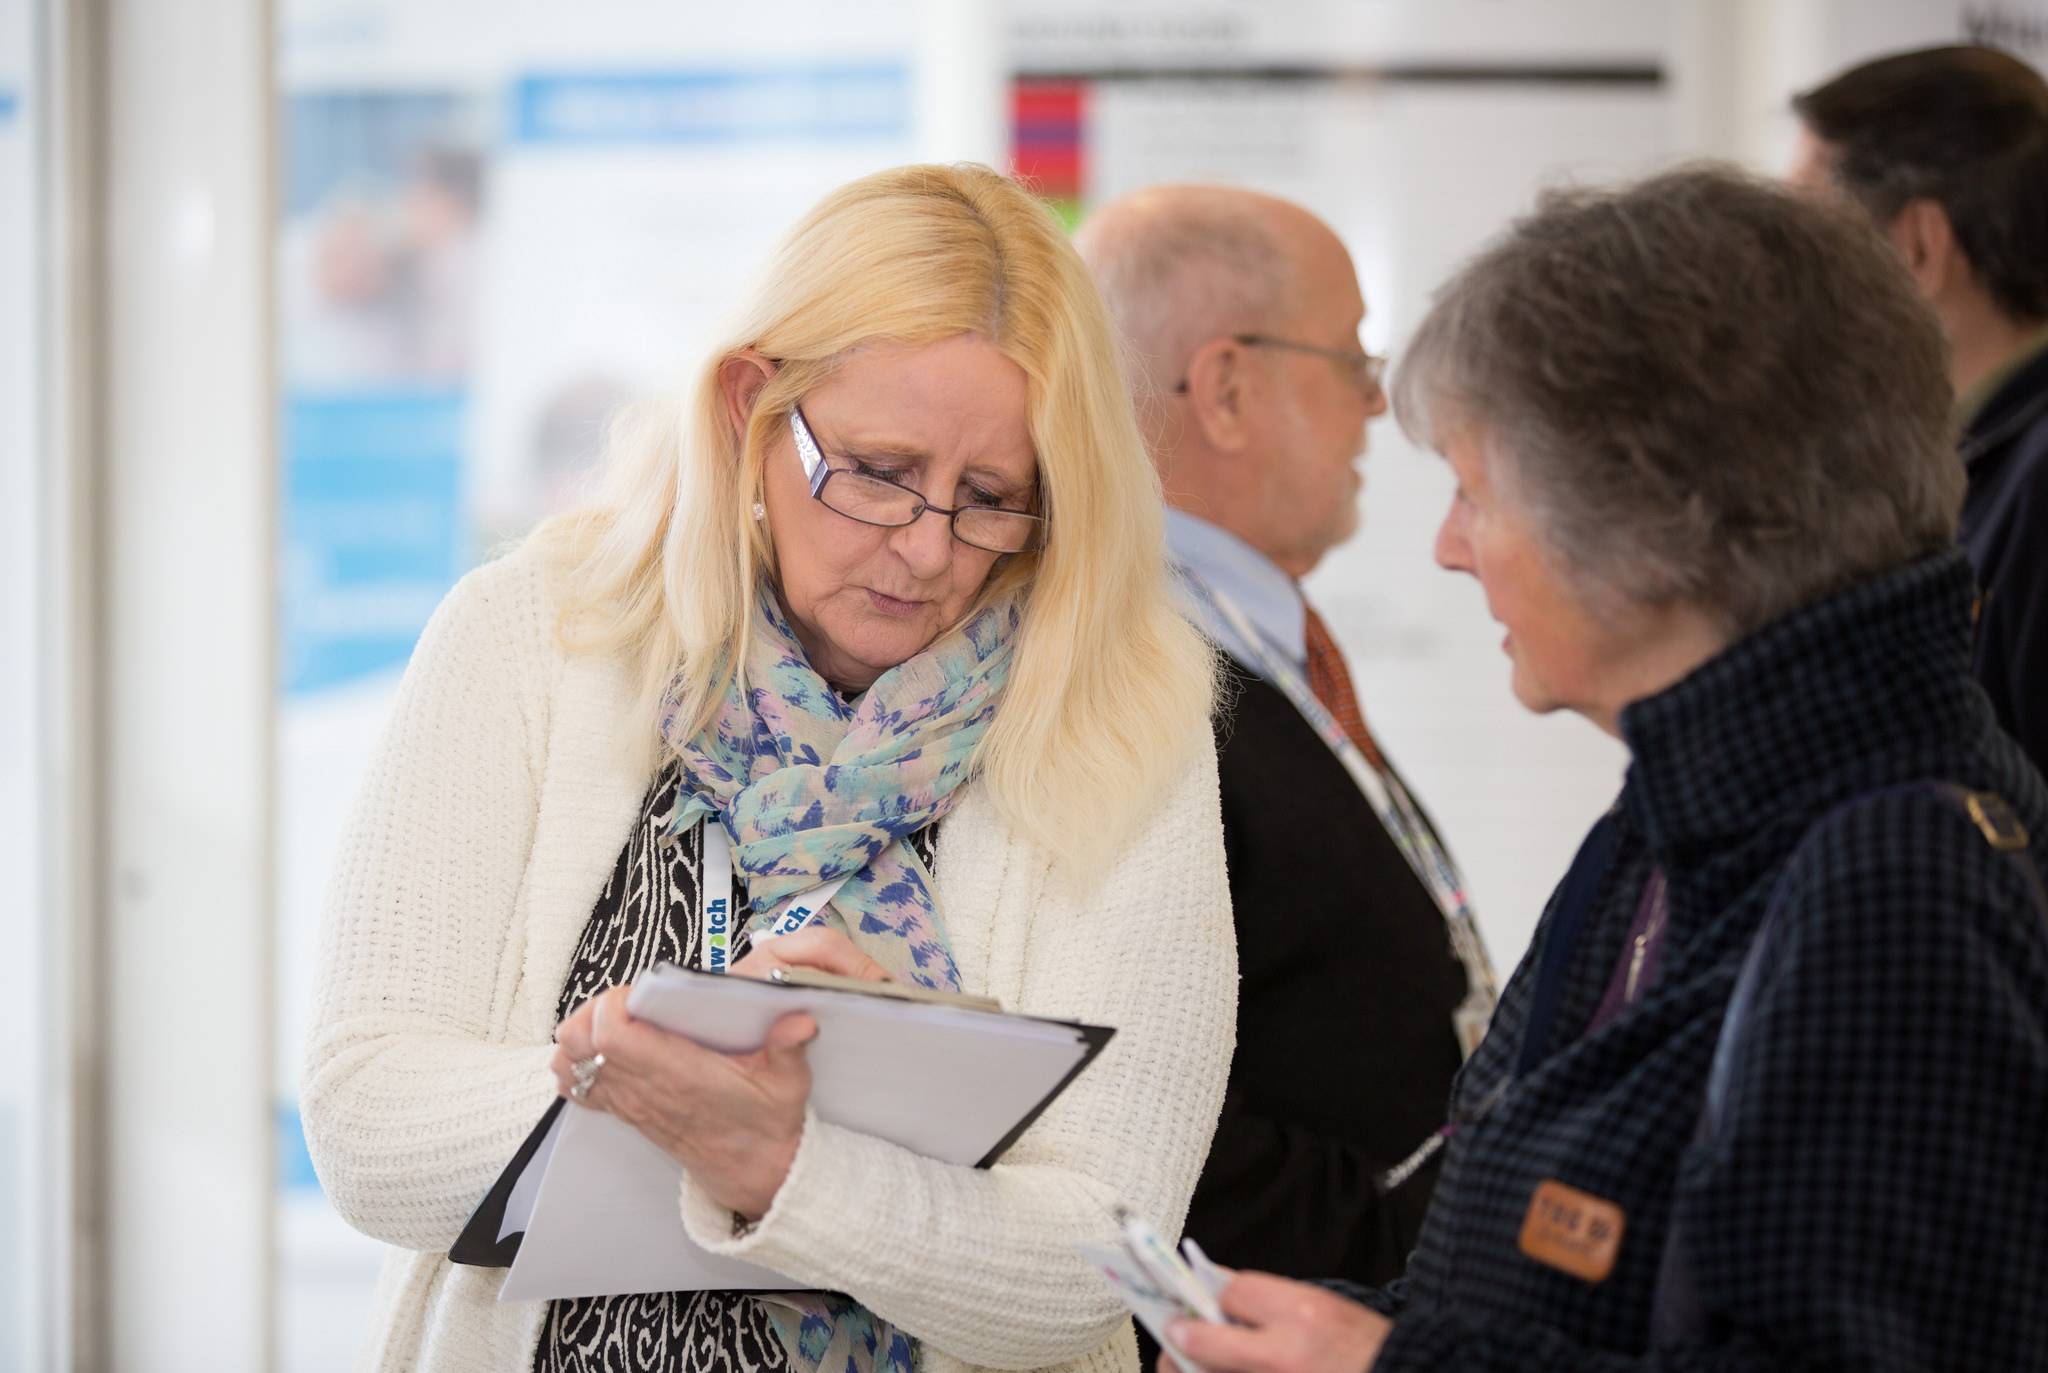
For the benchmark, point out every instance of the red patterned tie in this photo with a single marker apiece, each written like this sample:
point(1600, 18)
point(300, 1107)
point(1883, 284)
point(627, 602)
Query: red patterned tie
point(1330, 680)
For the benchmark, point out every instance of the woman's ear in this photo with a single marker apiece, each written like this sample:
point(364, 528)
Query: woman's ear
point(741, 378)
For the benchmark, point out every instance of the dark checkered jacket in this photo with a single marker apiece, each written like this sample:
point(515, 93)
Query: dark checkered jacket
point(1877, 1197)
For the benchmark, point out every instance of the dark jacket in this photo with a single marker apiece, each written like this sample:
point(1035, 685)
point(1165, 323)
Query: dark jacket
point(1345, 1051)
point(2005, 527)
point(1878, 1195)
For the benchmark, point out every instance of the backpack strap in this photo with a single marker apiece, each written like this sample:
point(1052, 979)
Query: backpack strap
point(1676, 1313)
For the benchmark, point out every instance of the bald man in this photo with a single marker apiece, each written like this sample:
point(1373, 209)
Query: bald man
point(1363, 982)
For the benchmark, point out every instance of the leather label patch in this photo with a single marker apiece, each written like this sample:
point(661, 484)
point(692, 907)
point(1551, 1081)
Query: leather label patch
point(1571, 1230)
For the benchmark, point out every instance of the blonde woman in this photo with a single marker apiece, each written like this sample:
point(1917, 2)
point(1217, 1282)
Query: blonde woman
point(880, 607)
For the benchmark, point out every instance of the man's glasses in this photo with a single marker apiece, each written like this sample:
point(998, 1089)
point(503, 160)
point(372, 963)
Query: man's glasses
point(878, 501)
point(1364, 370)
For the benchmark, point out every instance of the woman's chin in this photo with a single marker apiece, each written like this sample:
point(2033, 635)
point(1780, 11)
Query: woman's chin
point(1532, 695)
point(881, 643)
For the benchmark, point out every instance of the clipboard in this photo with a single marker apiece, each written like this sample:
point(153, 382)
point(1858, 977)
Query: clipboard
point(1003, 1069)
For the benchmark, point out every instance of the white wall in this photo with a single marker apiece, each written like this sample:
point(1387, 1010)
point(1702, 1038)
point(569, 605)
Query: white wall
point(1741, 61)
point(1513, 793)
point(961, 81)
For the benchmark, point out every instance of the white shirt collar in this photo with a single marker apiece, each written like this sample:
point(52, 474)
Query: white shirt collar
point(1269, 598)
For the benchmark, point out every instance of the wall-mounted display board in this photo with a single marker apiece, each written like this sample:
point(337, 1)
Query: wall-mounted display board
point(502, 221)
point(1417, 129)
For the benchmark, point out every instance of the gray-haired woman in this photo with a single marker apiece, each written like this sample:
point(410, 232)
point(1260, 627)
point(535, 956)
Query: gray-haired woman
point(1771, 1088)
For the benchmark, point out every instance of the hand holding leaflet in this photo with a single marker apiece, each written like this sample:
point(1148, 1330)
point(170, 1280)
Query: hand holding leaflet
point(1271, 1325)
point(1159, 1285)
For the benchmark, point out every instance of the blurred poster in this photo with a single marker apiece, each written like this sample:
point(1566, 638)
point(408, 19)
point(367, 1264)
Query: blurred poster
point(630, 206)
point(502, 221)
point(1852, 31)
point(378, 290)
point(1418, 129)
point(1278, 35)
point(2017, 27)
point(1415, 129)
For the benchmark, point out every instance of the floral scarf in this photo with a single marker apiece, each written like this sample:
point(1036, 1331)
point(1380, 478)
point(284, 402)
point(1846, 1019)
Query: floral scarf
point(810, 788)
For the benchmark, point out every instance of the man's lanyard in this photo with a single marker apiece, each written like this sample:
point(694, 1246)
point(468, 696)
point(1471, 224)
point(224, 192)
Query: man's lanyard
point(1396, 810)
point(718, 916)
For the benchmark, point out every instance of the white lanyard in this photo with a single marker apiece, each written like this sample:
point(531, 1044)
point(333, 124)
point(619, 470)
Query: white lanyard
point(718, 934)
point(717, 885)
point(1397, 812)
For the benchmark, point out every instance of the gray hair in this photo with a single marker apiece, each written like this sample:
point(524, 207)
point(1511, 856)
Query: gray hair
point(1198, 262)
point(1704, 387)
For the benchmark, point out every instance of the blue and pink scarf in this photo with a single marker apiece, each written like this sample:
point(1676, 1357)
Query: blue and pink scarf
point(811, 788)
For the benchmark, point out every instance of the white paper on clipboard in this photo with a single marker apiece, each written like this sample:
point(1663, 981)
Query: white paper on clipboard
point(952, 1084)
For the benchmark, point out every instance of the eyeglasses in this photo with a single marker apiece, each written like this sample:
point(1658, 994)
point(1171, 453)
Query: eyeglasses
point(878, 501)
point(1364, 370)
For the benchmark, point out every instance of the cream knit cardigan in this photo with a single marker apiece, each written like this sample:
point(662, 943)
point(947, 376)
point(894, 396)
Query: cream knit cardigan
point(489, 821)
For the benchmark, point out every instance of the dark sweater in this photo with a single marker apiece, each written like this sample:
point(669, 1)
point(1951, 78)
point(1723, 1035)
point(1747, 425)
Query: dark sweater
point(2005, 527)
point(1877, 1198)
point(1345, 1051)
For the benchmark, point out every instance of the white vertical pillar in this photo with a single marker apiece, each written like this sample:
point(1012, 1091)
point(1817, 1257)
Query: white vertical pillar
point(1736, 64)
point(25, 1224)
point(1701, 53)
point(1784, 48)
point(962, 83)
point(186, 688)
point(67, 707)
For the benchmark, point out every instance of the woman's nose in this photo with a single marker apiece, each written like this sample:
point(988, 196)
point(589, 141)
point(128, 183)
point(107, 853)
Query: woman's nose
point(926, 543)
point(1453, 554)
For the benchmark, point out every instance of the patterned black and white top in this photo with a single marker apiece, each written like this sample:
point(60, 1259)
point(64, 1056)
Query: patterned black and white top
point(652, 911)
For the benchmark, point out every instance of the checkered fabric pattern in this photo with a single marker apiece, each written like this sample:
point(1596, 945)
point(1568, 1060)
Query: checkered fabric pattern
point(1330, 681)
point(1877, 1197)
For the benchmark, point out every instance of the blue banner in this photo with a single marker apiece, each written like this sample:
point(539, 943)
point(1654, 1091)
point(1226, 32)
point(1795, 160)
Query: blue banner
point(712, 106)
point(373, 528)
point(294, 1162)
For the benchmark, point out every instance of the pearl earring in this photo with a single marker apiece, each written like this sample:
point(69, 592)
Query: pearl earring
point(760, 511)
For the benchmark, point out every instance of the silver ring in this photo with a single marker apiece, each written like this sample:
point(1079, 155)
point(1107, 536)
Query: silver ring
point(585, 1071)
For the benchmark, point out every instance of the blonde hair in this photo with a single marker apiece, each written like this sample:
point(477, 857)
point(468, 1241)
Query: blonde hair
point(1109, 686)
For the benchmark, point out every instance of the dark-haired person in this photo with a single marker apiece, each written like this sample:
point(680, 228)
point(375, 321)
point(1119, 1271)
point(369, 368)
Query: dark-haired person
point(1948, 149)
point(1698, 428)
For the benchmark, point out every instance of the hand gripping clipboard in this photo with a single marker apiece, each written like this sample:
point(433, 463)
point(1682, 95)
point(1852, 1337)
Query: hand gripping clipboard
point(955, 1083)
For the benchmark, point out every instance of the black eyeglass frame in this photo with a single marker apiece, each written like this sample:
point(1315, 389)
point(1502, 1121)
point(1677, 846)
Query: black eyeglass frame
point(819, 472)
point(1372, 367)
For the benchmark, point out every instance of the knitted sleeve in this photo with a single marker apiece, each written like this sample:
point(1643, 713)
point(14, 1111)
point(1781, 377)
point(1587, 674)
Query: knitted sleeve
point(411, 1104)
point(980, 1264)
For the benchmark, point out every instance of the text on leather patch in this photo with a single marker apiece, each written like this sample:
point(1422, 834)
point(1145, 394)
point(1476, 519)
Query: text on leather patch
point(1571, 1230)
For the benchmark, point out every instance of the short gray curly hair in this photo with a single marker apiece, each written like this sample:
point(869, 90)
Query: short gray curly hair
point(1705, 387)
